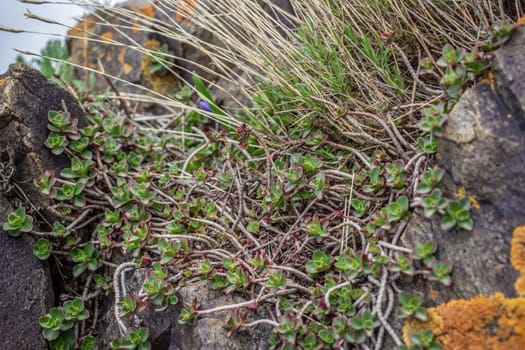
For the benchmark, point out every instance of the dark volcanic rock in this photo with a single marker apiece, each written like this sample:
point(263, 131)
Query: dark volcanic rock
point(483, 151)
point(26, 97)
point(25, 290)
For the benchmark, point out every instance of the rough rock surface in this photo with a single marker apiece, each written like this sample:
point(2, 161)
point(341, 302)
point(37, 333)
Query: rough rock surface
point(25, 290)
point(483, 151)
point(25, 283)
point(26, 97)
point(207, 333)
point(158, 323)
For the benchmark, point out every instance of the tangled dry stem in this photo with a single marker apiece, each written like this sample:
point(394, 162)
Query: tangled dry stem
point(252, 40)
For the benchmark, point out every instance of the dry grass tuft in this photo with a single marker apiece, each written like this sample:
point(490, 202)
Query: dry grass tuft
point(326, 58)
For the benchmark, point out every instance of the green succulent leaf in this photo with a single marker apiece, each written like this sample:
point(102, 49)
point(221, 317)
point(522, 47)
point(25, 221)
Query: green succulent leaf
point(277, 281)
point(18, 222)
point(458, 215)
point(42, 249)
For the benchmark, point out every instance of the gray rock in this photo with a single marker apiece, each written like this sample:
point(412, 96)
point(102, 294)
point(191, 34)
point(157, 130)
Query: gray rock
point(159, 323)
point(508, 69)
point(207, 333)
point(482, 150)
point(165, 332)
point(25, 290)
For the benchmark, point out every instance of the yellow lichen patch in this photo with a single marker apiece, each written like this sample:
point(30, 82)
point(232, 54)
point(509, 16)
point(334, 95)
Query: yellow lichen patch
point(127, 68)
point(182, 9)
point(461, 193)
point(160, 84)
point(489, 80)
point(494, 323)
point(474, 202)
point(148, 11)
point(122, 55)
point(107, 37)
point(517, 257)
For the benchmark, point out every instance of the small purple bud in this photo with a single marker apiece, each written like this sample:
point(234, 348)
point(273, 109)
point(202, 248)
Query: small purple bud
point(205, 105)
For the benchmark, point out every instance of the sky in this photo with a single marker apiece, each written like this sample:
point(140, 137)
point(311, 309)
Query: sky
point(12, 15)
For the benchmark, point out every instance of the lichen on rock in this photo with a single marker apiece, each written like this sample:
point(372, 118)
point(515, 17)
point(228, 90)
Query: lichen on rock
point(163, 84)
point(517, 258)
point(493, 322)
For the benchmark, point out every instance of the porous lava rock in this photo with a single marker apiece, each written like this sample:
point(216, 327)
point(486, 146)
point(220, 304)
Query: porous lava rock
point(26, 97)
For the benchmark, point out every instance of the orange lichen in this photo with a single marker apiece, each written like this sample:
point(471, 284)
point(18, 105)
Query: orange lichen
point(122, 55)
point(127, 68)
point(474, 202)
point(413, 326)
point(182, 9)
point(83, 29)
point(484, 323)
point(494, 323)
point(160, 84)
point(107, 37)
point(136, 27)
point(148, 11)
point(489, 80)
point(521, 21)
point(461, 193)
point(2, 81)
point(520, 285)
point(82, 32)
point(517, 249)
point(517, 257)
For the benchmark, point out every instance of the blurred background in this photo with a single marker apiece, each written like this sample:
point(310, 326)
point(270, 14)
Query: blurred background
point(12, 15)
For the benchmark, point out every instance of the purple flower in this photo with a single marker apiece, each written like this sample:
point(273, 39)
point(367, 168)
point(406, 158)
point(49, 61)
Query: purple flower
point(205, 105)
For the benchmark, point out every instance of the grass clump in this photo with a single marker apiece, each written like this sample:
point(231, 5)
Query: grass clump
point(298, 199)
